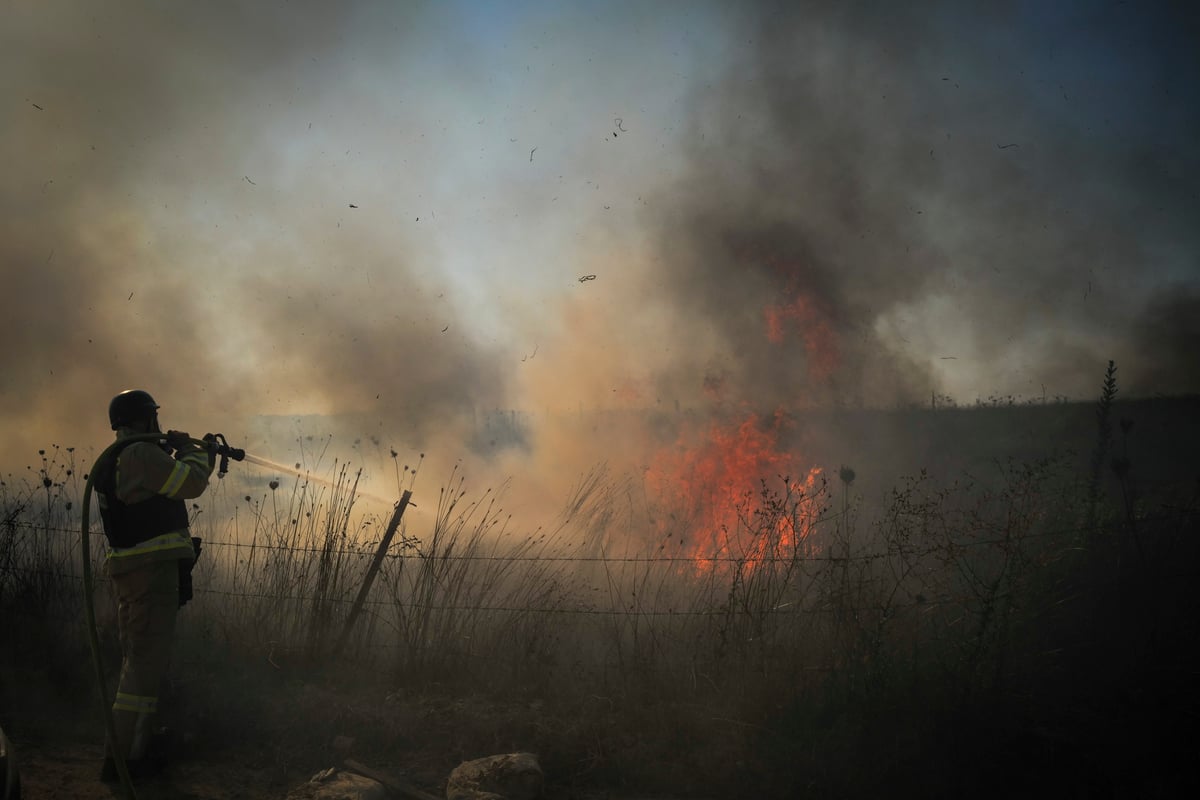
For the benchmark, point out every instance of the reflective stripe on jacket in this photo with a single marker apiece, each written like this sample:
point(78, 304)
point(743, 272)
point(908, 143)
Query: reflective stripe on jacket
point(142, 502)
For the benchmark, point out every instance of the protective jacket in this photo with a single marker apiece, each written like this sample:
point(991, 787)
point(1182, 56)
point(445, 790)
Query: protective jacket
point(141, 490)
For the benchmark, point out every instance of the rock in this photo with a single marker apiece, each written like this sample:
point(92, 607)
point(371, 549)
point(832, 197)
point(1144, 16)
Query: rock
point(513, 776)
point(333, 784)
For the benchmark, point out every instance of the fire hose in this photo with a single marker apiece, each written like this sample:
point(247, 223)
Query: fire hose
point(216, 445)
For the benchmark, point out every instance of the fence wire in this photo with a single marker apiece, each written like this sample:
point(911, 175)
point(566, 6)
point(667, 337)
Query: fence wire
point(606, 559)
point(824, 559)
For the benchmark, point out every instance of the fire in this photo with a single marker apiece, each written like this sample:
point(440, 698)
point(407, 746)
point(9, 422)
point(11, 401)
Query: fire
point(814, 328)
point(715, 483)
point(727, 494)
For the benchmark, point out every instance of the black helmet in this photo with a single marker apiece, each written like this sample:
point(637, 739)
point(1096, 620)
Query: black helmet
point(130, 406)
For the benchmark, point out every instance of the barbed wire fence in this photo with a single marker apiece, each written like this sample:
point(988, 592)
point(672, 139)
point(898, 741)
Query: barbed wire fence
point(390, 612)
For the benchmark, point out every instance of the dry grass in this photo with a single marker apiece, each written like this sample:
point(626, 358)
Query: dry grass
point(959, 628)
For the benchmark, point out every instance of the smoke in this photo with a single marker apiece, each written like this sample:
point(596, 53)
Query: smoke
point(310, 211)
point(943, 206)
point(1168, 339)
point(880, 205)
point(183, 212)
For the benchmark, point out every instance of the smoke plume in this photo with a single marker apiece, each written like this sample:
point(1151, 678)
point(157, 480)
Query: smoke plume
point(310, 211)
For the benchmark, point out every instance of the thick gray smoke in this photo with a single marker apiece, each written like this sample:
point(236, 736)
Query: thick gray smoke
point(955, 208)
point(255, 209)
point(157, 230)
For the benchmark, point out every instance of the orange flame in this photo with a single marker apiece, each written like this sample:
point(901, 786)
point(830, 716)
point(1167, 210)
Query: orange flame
point(724, 480)
point(820, 339)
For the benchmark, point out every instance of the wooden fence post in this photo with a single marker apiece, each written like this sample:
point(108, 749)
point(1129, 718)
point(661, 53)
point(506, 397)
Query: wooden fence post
point(373, 569)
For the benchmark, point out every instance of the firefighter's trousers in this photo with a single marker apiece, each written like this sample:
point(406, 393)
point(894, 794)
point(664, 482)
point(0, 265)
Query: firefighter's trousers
point(147, 603)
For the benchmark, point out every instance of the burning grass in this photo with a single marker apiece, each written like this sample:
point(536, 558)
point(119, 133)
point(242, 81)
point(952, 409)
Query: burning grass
point(719, 626)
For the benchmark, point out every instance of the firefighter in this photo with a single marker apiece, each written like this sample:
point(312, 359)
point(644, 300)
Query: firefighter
point(141, 491)
point(10, 779)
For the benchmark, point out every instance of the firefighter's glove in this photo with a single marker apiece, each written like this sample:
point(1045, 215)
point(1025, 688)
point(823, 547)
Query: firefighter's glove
point(179, 441)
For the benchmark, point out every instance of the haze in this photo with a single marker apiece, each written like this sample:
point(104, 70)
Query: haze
point(413, 215)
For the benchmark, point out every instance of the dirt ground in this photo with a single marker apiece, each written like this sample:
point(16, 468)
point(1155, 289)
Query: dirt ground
point(258, 741)
point(72, 770)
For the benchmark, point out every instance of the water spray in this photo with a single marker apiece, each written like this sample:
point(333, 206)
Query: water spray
point(250, 458)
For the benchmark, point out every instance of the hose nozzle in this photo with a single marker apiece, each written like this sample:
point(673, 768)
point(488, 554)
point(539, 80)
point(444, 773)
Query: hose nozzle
point(221, 447)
